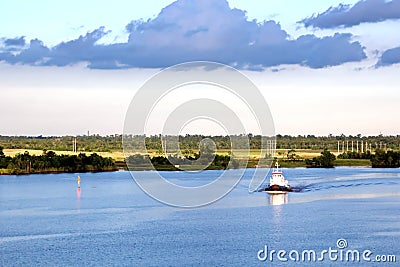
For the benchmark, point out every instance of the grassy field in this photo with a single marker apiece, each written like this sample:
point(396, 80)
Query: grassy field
point(119, 155)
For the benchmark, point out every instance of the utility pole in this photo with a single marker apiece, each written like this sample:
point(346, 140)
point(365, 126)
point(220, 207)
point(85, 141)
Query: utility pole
point(74, 146)
point(338, 148)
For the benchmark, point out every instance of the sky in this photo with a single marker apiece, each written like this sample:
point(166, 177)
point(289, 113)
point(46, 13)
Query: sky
point(324, 67)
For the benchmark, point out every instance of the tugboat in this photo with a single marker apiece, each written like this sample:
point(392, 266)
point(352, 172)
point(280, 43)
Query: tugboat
point(277, 182)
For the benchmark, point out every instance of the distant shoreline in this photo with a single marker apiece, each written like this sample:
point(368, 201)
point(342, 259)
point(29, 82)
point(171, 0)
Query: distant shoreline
point(25, 162)
point(165, 169)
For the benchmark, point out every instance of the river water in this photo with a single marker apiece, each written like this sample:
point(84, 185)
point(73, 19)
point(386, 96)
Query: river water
point(46, 221)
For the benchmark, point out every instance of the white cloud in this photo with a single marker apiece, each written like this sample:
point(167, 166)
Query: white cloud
point(362, 12)
point(190, 30)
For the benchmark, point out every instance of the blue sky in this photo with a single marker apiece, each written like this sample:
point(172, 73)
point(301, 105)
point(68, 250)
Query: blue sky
point(66, 56)
point(53, 22)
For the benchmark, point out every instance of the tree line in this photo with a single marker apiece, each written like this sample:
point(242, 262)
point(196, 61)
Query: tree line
point(49, 161)
point(380, 159)
point(207, 157)
point(191, 142)
point(217, 162)
point(385, 159)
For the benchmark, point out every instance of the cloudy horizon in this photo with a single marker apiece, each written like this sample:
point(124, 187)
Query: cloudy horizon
point(329, 70)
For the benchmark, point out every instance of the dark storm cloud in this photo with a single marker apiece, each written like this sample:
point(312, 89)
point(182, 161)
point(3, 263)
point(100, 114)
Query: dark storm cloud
point(190, 30)
point(347, 16)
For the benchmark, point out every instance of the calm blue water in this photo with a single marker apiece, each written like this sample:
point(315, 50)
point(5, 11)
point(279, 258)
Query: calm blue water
point(45, 221)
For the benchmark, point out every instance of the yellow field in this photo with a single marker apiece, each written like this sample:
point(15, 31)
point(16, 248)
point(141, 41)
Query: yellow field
point(116, 155)
point(304, 153)
point(13, 152)
point(279, 153)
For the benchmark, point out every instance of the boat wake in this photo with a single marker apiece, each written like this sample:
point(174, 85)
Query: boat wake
point(321, 186)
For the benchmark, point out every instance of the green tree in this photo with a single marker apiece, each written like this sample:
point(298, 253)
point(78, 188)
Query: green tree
point(291, 155)
point(382, 159)
point(326, 160)
point(4, 161)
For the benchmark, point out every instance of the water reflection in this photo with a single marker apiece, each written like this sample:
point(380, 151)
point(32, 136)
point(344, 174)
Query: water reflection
point(78, 203)
point(277, 199)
